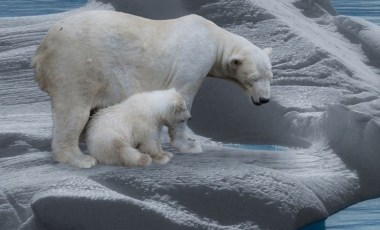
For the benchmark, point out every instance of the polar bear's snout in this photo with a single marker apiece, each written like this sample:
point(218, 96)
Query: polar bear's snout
point(262, 100)
point(259, 92)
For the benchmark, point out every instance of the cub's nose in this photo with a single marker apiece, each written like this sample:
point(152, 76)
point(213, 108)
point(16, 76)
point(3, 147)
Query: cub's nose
point(189, 118)
point(263, 100)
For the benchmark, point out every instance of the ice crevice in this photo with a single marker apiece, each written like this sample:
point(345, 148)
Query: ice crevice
point(366, 33)
point(8, 215)
point(81, 195)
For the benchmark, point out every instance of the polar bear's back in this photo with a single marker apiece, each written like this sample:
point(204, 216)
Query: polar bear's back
point(111, 55)
point(99, 24)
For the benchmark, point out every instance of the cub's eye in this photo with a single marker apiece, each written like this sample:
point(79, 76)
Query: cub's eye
point(179, 110)
point(248, 83)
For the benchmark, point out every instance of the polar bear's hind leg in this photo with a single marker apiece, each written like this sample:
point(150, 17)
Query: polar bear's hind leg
point(69, 119)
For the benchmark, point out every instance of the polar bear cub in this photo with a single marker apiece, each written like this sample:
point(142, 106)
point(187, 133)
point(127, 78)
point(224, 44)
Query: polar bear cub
point(129, 133)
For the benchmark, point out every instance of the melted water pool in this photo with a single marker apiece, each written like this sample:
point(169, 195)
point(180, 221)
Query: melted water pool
point(258, 147)
point(16, 8)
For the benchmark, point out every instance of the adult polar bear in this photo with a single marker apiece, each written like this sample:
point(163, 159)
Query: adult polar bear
point(98, 58)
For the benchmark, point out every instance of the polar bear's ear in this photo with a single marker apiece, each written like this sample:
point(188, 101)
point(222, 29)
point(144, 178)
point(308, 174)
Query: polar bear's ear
point(235, 61)
point(268, 51)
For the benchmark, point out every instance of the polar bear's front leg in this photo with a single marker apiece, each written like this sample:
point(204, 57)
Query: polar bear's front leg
point(184, 139)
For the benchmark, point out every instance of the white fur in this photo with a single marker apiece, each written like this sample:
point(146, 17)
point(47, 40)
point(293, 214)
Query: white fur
point(99, 58)
point(125, 133)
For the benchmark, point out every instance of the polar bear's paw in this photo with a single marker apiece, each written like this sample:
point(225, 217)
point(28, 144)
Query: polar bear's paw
point(190, 145)
point(144, 160)
point(78, 160)
point(84, 161)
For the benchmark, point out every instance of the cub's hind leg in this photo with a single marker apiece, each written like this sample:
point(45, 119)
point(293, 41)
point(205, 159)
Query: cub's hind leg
point(154, 149)
point(132, 157)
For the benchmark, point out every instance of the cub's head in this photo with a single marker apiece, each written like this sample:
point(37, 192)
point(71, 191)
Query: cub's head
point(177, 110)
point(252, 69)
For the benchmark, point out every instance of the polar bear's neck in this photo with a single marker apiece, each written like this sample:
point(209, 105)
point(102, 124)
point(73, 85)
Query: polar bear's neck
point(228, 45)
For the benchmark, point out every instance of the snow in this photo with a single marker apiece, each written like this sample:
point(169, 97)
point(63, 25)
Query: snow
point(325, 110)
point(190, 194)
point(365, 32)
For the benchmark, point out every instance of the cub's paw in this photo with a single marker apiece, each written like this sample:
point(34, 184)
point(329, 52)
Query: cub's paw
point(162, 158)
point(168, 154)
point(144, 160)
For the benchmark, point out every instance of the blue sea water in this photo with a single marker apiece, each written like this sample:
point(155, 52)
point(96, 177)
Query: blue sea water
point(367, 9)
point(361, 216)
point(16, 8)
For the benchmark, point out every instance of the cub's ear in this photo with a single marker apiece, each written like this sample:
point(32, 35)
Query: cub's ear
point(268, 51)
point(172, 90)
point(235, 61)
point(175, 104)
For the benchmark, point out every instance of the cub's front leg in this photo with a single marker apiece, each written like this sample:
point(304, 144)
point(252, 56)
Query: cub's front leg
point(184, 140)
point(154, 149)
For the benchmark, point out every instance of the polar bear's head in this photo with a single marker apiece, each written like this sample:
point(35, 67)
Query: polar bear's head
point(177, 111)
point(251, 67)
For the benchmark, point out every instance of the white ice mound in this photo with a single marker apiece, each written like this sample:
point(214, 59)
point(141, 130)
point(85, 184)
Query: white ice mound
point(78, 202)
point(184, 196)
point(224, 188)
point(81, 202)
point(367, 33)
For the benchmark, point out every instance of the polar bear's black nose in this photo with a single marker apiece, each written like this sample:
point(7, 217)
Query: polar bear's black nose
point(263, 100)
point(189, 118)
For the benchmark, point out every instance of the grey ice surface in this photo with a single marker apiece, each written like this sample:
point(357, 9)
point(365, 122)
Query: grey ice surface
point(325, 106)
